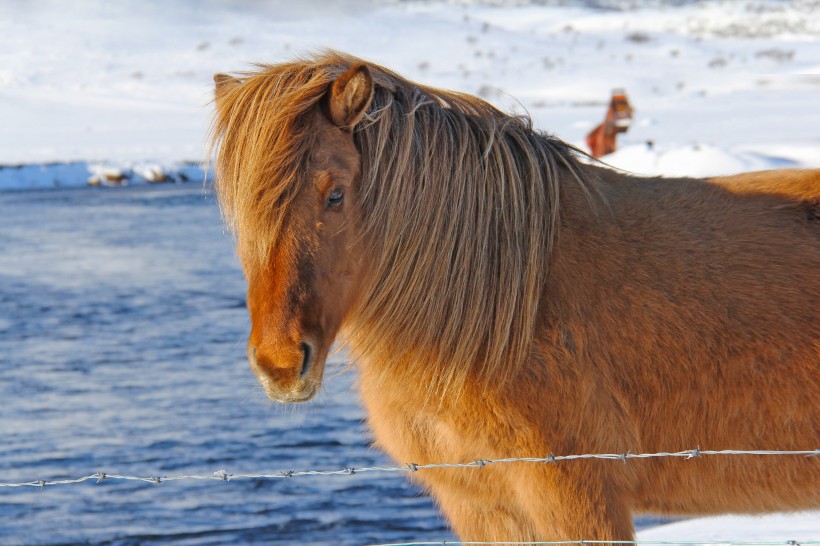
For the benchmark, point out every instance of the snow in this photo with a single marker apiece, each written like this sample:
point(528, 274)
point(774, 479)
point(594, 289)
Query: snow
point(119, 92)
point(81, 173)
point(694, 160)
point(800, 527)
point(718, 86)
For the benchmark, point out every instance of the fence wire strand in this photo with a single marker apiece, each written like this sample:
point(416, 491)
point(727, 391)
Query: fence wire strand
point(222, 475)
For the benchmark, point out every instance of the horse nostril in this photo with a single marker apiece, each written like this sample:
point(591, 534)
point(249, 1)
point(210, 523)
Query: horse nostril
point(307, 358)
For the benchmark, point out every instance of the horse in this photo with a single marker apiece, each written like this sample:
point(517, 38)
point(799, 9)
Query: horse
point(602, 140)
point(501, 295)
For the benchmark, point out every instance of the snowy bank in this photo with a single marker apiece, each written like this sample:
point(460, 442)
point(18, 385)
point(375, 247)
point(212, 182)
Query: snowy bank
point(81, 173)
point(703, 160)
point(801, 527)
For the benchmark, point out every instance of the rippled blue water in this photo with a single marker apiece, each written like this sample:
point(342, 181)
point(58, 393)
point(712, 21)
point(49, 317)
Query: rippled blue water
point(122, 337)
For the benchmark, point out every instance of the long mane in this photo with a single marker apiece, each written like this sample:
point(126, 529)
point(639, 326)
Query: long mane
point(459, 207)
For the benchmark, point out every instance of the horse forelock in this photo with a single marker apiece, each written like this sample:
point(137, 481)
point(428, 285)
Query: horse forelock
point(262, 135)
point(459, 208)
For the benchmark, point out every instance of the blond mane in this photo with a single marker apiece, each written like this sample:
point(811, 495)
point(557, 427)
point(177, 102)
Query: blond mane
point(459, 204)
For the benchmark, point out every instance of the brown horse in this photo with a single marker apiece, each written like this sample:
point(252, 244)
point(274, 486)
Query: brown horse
point(502, 299)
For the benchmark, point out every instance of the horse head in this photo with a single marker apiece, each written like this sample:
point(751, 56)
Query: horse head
point(304, 282)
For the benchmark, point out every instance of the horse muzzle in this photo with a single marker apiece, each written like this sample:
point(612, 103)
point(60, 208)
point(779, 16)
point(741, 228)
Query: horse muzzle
point(288, 376)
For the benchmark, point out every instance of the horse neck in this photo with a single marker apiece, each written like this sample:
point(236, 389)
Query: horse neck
point(589, 238)
point(580, 209)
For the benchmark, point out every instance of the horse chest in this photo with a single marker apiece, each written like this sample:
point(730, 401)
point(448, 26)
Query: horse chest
point(413, 432)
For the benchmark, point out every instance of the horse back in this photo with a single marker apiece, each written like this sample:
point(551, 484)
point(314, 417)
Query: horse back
point(788, 183)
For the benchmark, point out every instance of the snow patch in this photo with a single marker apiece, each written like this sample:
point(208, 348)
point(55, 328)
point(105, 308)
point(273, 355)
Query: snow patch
point(695, 160)
point(81, 173)
point(800, 527)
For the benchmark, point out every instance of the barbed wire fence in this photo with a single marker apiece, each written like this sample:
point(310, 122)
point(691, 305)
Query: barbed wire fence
point(222, 475)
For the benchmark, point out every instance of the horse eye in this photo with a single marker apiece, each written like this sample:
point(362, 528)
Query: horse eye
point(336, 197)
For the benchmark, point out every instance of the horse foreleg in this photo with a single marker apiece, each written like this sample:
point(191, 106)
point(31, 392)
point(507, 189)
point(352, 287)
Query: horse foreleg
point(525, 503)
point(575, 503)
point(482, 517)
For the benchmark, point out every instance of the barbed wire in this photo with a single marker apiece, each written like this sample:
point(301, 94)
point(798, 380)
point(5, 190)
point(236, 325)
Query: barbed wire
point(222, 475)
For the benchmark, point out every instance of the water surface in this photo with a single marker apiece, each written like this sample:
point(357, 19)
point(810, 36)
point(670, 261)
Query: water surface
point(122, 337)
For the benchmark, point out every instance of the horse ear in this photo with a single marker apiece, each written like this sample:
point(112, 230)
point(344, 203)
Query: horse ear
point(223, 83)
point(349, 97)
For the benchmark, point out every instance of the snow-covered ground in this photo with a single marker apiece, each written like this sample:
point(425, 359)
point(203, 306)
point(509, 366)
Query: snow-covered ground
point(718, 86)
point(120, 91)
point(801, 528)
